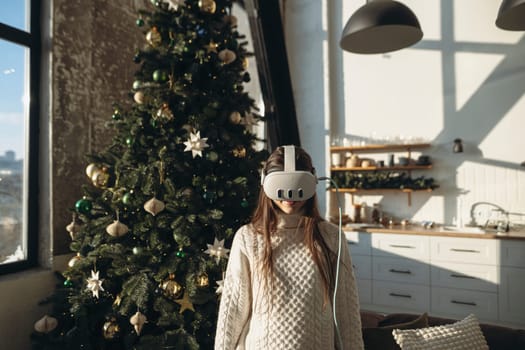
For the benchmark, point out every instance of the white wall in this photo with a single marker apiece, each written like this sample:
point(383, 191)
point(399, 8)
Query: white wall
point(465, 79)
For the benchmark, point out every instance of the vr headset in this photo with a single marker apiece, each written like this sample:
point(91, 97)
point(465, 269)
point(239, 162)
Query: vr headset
point(289, 184)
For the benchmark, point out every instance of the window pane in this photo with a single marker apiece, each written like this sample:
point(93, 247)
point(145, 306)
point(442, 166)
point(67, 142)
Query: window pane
point(15, 14)
point(13, 117)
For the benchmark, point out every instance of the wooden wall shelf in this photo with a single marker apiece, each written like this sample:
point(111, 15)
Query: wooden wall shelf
point(408, 191)
point(384, 168)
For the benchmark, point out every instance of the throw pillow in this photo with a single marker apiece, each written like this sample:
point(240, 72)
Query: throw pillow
point(462, 335)
point(381, 337)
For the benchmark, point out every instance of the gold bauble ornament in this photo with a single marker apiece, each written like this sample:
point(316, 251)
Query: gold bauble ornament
point(154, 206)
point(235, 117)
point(208, 6)
point(239, 152)
point(100, 178)
point(227, 56)
point(138, 320)
point(153, 37)
point(74, 260)
point(203, 281)
point(111, 329)
point(164, 113)
point(117, 229)
point(46, 324)
point(139, 97)
point(171, 288)
point(90, 169)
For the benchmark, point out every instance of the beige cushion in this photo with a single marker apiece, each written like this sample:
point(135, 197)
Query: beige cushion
point(462, 335)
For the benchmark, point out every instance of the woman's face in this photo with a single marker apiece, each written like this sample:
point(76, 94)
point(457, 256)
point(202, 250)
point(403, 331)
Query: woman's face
point(289, 207)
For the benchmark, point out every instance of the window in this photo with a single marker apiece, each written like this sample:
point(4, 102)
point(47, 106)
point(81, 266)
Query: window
point(19, 108)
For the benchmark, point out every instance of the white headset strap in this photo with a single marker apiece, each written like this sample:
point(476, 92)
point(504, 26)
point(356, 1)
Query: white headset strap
point(289, 158)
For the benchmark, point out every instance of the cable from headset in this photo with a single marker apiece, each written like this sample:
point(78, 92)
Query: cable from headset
point(338, 264)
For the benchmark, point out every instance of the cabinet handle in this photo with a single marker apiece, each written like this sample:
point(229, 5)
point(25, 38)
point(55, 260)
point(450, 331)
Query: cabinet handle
point(408, 272)
point(351, 242)
point(464, 250)
point(462, 276)
point(401, 246)
point(400, 295)
point(469, 303)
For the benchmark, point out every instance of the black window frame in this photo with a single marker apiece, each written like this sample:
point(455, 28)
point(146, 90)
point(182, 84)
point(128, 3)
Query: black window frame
point(32, 40)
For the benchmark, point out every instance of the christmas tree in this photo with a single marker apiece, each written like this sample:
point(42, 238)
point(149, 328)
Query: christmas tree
point(164, 199)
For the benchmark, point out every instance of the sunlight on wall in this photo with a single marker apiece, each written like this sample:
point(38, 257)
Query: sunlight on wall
point(474, 21)
point(469, 77)
point(464, 79)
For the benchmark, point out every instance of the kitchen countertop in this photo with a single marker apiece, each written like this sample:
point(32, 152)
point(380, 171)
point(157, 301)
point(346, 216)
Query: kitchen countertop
point(443, 231)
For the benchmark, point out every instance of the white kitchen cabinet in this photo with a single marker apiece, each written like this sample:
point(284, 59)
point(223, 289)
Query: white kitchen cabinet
point(512, 286)
point(360, 252)
point(442, 275)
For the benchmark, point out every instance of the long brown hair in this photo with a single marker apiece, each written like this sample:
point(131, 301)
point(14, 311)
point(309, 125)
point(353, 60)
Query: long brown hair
point(265, 220)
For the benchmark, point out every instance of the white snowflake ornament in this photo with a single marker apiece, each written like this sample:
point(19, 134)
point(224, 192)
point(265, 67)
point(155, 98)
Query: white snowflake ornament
point(217, 250)
point(95, 283)
point(196, 144)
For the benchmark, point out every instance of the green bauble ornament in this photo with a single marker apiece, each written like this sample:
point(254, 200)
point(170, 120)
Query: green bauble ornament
point(68, 283)
point(140, 22)
point(212, 156)
point(137, 84)
point(83, 206)
point(127, 197)
point(180, 254)
point(129, 141)
point(244, 203)
point(138, 250)
point(160, 76)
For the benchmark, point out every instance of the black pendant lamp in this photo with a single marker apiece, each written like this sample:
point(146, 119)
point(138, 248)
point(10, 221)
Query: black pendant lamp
point(381, 26)
point(511, 15)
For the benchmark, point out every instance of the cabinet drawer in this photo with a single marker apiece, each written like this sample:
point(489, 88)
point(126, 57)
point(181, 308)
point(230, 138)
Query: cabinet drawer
point(362, 266)
point(465, 276)
point(409, 246)
point(465, 250)
point(401, 270)
point(402, 296)
point(364, 290)
point(458, 303)
point(513, 253)
point(359, 242)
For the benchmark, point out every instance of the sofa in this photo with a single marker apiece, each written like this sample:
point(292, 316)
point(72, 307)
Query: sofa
point(378, 330)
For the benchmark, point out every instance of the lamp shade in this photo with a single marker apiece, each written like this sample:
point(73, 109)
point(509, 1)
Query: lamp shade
point(511, 15)
point(380, 26)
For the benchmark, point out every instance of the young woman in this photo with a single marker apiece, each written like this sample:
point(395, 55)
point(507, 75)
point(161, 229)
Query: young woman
point(280, 280)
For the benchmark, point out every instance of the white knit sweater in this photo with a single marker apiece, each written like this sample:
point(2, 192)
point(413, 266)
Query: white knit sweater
point(295, 317)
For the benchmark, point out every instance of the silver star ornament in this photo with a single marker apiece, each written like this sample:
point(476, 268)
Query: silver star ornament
point(217, 250)
point(196, 144)
point(95, 283)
